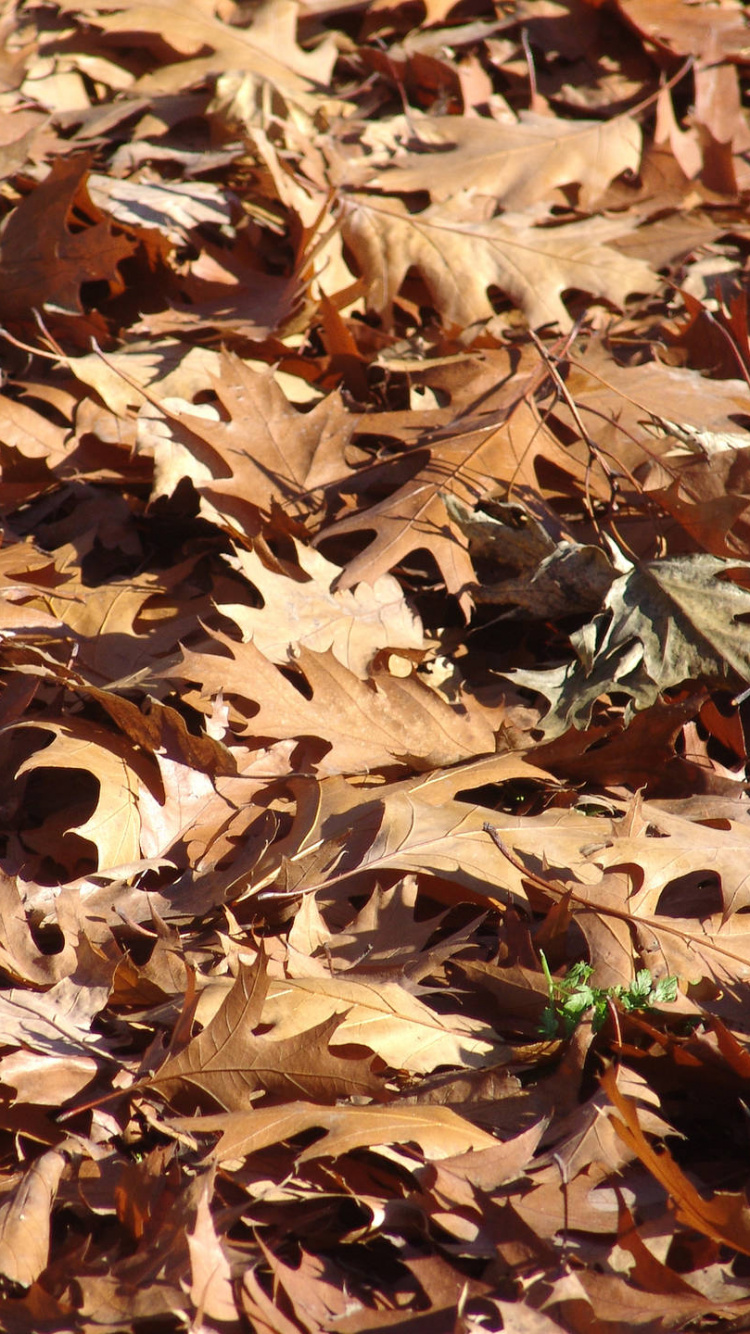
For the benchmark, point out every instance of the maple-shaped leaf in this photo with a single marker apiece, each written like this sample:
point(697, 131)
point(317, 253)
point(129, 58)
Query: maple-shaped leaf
point(663, 622)
point(460, 259)
point(231, 1062)
point(43, 261)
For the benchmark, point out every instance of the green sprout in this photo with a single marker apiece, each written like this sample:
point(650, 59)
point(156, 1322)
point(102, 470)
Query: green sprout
point(572, 996)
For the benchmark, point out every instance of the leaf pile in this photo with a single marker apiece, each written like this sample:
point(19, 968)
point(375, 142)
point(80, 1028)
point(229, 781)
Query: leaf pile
point(374, 652)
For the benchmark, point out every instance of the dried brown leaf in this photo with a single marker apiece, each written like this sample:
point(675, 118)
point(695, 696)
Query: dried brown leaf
point(230, 1062)
point(211, 1276)
point(518, 163)
point(460, 259)
point(311, 611)
point(438, 1131)
point(365, 725)
point(43, 259)
point(726, 1217)
point(381, 1015)
point(25, 1220)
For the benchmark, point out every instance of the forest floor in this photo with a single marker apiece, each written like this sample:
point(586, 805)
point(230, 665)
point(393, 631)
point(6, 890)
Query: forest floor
point(374, 651)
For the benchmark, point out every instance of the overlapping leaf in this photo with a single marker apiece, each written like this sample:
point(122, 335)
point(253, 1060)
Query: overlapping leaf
point(317, 931)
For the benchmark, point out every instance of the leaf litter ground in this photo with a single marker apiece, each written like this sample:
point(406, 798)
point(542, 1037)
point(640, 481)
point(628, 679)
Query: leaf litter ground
point(374, 663)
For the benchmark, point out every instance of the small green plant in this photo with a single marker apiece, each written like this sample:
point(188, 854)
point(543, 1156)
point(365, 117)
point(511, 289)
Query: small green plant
point(571, 996)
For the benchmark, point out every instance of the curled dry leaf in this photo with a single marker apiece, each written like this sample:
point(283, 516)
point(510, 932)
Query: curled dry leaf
point(25, 1220)
point(664, 622)
point(114, 825)
point(211, 1275)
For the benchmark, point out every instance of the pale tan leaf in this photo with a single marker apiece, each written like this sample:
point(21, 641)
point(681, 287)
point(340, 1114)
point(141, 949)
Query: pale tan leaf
point(689, 29)
point(381, 1015)
point(25, 1220)
point(460, 260)
point(172, 367)
point(115, 826)
point(46, 1080)
point(516, 163)
point(267, 48)
point(439, 1132)
point(352, 623)
point(266, 451)
point(211, 1277)
point(173, 207)
point(383, 721)
point(394, 828)
point(20, 956)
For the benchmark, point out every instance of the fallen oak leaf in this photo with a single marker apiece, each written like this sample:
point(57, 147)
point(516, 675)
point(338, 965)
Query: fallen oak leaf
point(464, 461)
point(124, 627)
point(396, 828)
point(717, 33)
point(43, 1080)
point(363, 725)
point(399, 830)
point(610, 1295)
point(230, 1063)
point(261, 452)
point(438, 1131)
point(306, 856)
point(268, 448)
point(43, 262)
point(266, 48)
point(20, 957)
point(518, 163)
point(460, 260)
point(380, 1015)
point(657, 934)
point(353, 623)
